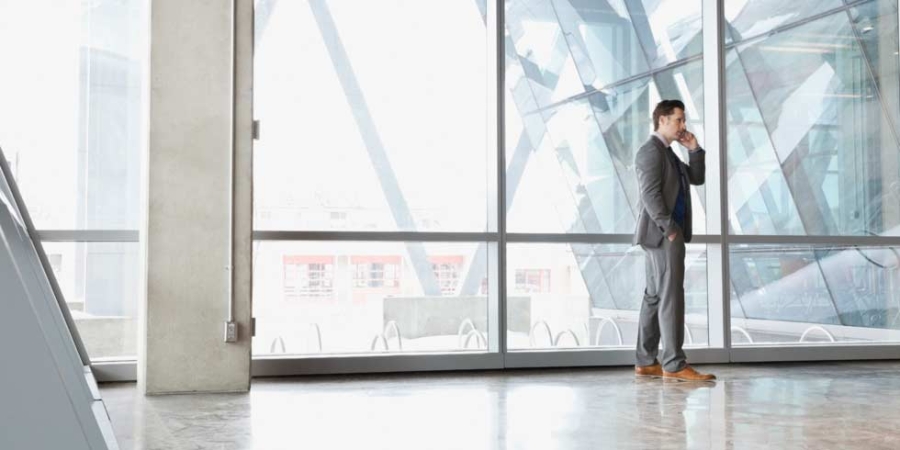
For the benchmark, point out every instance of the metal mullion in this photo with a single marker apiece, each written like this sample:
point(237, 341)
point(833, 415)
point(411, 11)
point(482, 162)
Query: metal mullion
point(718, 276)
point(498, 38)
point(594, 357)
point(390, 236)
point(381, 363)
point(866, 241)
point(588, 238)
point(568, 238)
point(88, 235)
point(832, 351)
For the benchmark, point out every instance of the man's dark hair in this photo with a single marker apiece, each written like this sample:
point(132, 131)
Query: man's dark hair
point(665, 108)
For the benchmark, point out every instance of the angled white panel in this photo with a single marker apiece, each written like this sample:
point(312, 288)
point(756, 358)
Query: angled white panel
point(47, 400)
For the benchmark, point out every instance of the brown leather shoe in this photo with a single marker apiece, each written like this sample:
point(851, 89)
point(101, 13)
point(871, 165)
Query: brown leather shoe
point(654, 370)
point(688, 374)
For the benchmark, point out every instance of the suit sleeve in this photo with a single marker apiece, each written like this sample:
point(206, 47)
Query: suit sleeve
point(649, 168)
point(696, 170)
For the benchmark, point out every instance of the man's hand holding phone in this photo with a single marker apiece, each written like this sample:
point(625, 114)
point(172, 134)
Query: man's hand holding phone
point(688, 140)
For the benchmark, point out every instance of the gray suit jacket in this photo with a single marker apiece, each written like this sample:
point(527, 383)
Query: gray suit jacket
point(658, 184)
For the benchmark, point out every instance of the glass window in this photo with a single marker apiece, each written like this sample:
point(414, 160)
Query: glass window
point(71, 109)
point(812, 150)
point(368, 297)
point(373, 116)
point(812, 137)
point(593, 295)
point(100, 284)
point(72, 131)
point(571, 143)
point(814, 294)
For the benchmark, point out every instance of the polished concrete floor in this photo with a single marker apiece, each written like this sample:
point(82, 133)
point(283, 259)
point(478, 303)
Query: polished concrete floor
point(777, 406)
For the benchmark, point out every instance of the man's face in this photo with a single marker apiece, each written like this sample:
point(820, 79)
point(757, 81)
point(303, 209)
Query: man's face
point(672, 126)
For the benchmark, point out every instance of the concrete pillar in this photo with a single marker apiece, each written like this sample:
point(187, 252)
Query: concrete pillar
point(197, 94)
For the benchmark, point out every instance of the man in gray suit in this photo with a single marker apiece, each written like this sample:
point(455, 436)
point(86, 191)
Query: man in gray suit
point(664, 226)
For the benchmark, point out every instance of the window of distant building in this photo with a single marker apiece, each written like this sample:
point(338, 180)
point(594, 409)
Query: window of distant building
point(376, 271)
point(447, 270)
point(532, 280)
point(308, 276)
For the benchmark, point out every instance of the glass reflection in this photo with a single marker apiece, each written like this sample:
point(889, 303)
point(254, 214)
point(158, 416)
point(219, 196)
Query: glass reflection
point(813, 146)
point(815, 293)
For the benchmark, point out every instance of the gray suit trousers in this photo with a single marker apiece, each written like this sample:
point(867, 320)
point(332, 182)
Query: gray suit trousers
point(662, 311)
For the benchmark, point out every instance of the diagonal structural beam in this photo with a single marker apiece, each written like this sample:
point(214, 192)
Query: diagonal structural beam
point(642, 30)
point(375, 148)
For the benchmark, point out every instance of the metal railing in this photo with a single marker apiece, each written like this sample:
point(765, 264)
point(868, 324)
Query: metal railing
point(383, 337)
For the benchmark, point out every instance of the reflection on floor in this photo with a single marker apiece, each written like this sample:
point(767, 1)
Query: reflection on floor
point(815, 405)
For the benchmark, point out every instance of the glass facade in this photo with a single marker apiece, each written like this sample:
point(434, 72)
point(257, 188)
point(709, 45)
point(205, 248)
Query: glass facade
point(377, 119)
point(811, 114)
